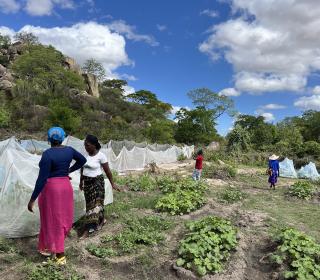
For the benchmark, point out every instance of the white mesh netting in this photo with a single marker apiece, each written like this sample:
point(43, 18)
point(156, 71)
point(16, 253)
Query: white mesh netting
point(19, 170)
point(287, 169)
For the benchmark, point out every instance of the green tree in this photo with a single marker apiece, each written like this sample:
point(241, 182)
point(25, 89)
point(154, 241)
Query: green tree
point(206, 98)
point(27, 38)
point(150, 101)
point(94, 67)
point(262, 134)
point(195, 126)
point(5, 41)
point(238, 139)
point(43, 66)
point(61, 115)
point(4, 117)
point(160, 131)
point(115, 84)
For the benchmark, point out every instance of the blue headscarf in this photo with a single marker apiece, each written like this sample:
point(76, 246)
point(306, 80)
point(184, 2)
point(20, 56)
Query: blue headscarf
point(56, 134)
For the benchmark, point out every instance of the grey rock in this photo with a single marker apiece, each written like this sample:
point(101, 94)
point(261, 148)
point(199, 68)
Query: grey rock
point(92, 84)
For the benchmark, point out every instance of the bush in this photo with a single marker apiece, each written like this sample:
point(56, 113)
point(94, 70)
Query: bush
point(299, 254)
point(181, 157)
point(142, 183)
point(302, 190)
point(168, 184)
point(186, 196)
point(4, 117)
point(219, 171)
point(207, 245)
point(231, 195)
point(138, 231)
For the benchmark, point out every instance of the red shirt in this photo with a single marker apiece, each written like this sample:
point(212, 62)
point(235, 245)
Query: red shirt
point(199, 160)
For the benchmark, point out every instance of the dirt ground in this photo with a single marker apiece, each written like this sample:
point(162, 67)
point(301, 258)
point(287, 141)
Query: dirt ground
point(248, 262)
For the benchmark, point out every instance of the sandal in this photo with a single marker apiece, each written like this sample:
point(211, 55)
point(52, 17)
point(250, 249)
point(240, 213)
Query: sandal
point(100, 226)
point(45, 253)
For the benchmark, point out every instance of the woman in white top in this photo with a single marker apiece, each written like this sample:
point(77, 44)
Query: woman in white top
point(92, 183)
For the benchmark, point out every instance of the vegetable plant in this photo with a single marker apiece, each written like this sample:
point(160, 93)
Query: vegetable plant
point(207, 245)
point(302, 190)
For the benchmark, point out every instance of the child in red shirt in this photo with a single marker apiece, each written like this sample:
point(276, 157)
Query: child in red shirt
point(198, 167)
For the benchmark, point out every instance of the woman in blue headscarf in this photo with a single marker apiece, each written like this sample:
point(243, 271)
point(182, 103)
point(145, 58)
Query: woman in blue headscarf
point(273, 171)
point(55, 194)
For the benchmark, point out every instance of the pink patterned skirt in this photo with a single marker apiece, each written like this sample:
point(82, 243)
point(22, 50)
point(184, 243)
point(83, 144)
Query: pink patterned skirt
point(56, 214)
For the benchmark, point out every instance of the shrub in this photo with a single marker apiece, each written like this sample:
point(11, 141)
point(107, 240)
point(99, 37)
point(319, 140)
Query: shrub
point(138, 231)
point(181, 157)
point(298, 253)
point(181, 202)
point(4, 117)
point(168, 184)
point(231, 195)
point(144, 182)
point(302, 190)
point(219, 171)
point(207, 245)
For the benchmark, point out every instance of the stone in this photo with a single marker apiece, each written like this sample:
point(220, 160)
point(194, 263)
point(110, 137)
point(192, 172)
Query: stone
point(3, 70)
point(213, 146)
point(5, 85)
point(71, 64)
point(92, 84)
point(7, 76)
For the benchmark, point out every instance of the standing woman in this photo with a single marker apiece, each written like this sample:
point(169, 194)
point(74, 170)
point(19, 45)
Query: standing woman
point(92, 183)
point(273, 171)
point(55, 194)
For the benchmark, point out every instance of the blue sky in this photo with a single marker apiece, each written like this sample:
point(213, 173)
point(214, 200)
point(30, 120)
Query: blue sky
point(264, 54)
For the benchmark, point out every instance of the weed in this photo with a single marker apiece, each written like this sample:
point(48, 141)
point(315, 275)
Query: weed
point(231, 195)
point(219, 171)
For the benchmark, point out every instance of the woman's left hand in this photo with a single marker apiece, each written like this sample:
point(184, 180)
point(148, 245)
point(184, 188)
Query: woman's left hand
point(30, 206)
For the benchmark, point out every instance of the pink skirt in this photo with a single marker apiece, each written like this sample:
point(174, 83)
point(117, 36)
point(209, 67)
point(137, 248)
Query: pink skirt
point(56, 214)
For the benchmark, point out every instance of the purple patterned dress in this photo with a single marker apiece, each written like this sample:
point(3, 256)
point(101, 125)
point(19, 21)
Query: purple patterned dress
point(274, 165)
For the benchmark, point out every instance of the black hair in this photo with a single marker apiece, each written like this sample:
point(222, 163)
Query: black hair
point(200, 152)
point(55, 142)
point(94, 141)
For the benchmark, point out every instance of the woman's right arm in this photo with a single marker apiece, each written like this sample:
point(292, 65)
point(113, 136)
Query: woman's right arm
point(81, 179)
point(80, 161)
point(44, 172)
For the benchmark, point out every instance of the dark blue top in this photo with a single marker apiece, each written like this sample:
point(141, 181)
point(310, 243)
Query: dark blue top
point(55, 162)
point(274, 165)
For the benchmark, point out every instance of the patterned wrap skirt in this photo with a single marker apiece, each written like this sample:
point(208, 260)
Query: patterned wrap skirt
point(94, 193)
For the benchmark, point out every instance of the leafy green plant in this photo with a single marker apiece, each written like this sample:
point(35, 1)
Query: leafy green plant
point(181, 157)
point(181, 202)
point(302, 190)
point(52, 271)
point(299, 255)
point(6, 246)
point(138, 231)
point(144, 182)
point(219, 171)
point(166, 183)
point(231, 195)
point(4, 117)
point(171, 184)
point(207, 245)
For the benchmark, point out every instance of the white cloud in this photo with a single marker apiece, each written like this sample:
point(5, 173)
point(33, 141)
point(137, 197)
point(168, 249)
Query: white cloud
point(229, 92)
point(161, 27)
point(209, 13)
point(128, 77)
point(128, 90)
point(316, 90)
point(308, 102)
point(129, 31)
point(7, 31)
point(175, 109)
point(83, 41)
point(269, 117)
point(274, 43)
point(272, 106)
point(9, 6)
point(259, 83)
point(45, 7)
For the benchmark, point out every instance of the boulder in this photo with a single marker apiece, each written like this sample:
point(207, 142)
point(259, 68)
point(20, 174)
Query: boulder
point(16, 48)
point(5, 85)
point(3, 70)
point(213, 146)
point(71, 64)
point(7, 76)
point(92, 84)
